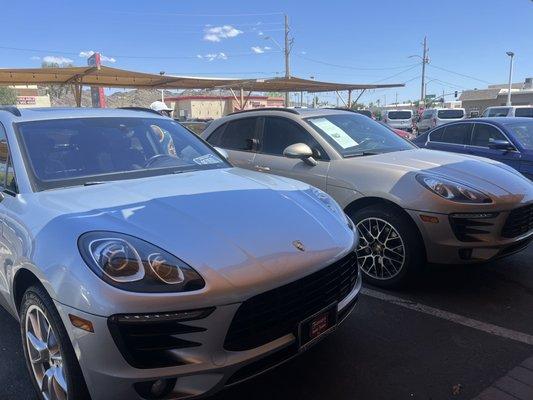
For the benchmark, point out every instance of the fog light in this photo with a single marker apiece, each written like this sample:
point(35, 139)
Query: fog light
point(158, 388)
point(155, 389)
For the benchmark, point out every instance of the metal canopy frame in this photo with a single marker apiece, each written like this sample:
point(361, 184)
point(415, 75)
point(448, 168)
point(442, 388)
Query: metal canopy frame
point(113, 77)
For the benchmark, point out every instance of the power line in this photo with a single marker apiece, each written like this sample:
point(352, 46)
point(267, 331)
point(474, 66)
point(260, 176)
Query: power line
point(399, 73)
point(132, 56)
point(351, 67)
point(195, 15)
point(458, 73)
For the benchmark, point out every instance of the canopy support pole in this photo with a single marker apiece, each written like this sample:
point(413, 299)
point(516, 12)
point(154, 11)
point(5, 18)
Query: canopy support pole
point(241, 105)
point(340, 97)
point(349, 98)
point(360, 94)
point(77, 93)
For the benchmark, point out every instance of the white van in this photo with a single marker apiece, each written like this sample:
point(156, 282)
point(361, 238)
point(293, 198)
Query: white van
point(433, 117)
point(399, 119)
point(509, 111)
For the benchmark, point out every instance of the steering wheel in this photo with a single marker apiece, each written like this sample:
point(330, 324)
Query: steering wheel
point(159, 158)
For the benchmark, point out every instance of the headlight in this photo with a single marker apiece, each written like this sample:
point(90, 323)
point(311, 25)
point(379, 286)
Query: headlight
point(332, 205)
point(453, 191)
point(132, 264)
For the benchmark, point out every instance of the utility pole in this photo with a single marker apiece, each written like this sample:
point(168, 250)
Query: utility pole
point(511, 55)
point(424, 62)
point(288, 46)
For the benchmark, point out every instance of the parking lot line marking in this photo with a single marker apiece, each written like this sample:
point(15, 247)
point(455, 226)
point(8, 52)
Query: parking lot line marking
point(449, 316)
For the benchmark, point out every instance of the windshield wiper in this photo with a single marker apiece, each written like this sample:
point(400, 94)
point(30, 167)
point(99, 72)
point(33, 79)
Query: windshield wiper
point(92, 183)
point(363, 153)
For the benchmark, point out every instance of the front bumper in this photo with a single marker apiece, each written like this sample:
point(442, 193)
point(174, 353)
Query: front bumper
point(445, 243)
point(207, 369)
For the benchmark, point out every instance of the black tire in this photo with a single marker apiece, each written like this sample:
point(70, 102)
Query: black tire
point(413, 247)
point(37, 296)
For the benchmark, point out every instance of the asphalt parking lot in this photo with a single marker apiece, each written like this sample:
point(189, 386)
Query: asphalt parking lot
point(452, 336)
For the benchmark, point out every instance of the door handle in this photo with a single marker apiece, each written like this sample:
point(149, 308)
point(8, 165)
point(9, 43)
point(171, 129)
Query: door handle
point(262, 168)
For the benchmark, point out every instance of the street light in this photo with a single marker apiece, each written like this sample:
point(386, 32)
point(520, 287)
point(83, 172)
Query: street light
point(511, 55)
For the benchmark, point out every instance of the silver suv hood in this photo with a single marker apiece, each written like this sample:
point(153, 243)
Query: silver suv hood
point(394, 173)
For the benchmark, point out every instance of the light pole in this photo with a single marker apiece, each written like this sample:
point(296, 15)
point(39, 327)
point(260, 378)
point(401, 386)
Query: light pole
point(425, 60)
point(286, 51)
point(511, 56)
point(162, 90)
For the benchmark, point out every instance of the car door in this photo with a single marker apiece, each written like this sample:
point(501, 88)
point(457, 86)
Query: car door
point(11, 242)
point(277, 133)
point(451, 137)
point(239, 138)
point(482, 135)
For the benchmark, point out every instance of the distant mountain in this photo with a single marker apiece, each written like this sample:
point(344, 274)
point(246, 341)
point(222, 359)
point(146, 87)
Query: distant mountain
point(130, 98)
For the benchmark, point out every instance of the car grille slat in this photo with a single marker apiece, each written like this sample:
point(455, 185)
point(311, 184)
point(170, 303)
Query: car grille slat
point(519, 222)
point(273, 314)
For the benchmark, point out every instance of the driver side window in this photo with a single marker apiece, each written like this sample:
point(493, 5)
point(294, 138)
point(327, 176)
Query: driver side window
point(279, 133)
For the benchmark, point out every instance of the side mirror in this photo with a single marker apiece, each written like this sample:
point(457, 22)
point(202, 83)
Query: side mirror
point(222, 152)
point(301, 151)
point(501, 145)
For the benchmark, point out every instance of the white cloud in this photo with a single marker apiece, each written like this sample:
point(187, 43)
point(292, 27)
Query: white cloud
point(35, 58)
point(260, 50)
point(57, 60)
point(89, 53)
point(217, 33)
point(212, 56)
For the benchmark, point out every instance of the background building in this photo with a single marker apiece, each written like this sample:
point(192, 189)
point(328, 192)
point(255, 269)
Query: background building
point(211, 106)
point(29, 96)
point(496, 95)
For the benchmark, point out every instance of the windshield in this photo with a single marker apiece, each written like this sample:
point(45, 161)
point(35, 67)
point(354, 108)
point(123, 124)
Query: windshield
point(524, 112)
point(450, 114)
point(523, 132)
point(78, 151)
point(496, 112)
point(399, 115)
point(356, 135)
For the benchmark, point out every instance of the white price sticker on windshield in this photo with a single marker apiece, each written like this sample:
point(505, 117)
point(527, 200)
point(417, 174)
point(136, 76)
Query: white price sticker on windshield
point(207, 159)
point(342, 138)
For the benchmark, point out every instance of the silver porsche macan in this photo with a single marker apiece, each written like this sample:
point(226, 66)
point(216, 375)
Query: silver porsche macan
point(411, 206)
point(142, 265)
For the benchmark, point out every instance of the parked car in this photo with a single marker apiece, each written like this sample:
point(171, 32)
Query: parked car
point(410, 205)
point(143, 270)
point(509, 111)
point(399, 132)
point(433, 117)
point(368, 113)
point(508, 140)
point(196, 127)
point(399, 119)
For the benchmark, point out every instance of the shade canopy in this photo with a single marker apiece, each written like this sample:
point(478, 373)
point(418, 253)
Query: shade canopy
point(114, 77)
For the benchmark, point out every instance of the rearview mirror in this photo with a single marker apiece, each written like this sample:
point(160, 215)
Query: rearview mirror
point(222, 152)
point(501, 145)
point(301, 151)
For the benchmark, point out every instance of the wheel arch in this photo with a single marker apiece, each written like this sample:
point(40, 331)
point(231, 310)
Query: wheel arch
point(24, 278)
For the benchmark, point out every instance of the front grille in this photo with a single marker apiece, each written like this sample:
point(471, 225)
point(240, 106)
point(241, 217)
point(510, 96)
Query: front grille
point(273, 314)
point(519, 222)
point(148, 340)
point(467, 227)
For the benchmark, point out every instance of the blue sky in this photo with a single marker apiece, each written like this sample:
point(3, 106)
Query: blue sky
point(365, 41)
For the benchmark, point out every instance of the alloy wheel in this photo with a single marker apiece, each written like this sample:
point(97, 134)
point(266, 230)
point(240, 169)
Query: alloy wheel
point(44, 354)
point(381, 250)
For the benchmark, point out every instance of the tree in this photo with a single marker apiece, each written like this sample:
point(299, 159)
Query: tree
point(57, 91)
point(8, 96)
